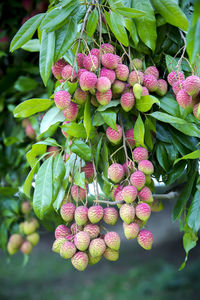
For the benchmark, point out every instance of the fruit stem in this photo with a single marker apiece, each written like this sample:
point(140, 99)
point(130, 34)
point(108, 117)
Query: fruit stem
point(124, 144)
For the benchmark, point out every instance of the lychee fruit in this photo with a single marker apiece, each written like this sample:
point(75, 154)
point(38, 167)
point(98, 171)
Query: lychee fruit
point(177, 86)
point(62, 99)
point(145, 91)
point(195, 111)
point(110, 74)
point(107, 48)
point(16, 240)
point(11, 250)
point(95, 52)
point(111, 254)
point(145, 195)
point(192, 85)
point(127, 213)
point(109, 61)
point(57, 68)
point(30, 132)
point(79, 59)
point(80, 96)
point(118, 87)
point(87, 81)
point(57, 244)
point(68, 73)
point(131, 230)
point(137, 63)
point(75, 228)
point(95, 213)
point(115, 190)
point(33, 238)
point(122, 72)
point(94, 101)
point(78, 193)
point(152, 71)
point(137, 90)
point(162, 87)
point(148, 179)
point(88, 169)
point(129, 166)
point(140, 153)
point(26, 247)
point(62, 231)
point(67, 250)
point(71, 111)
point(143, 211)
point(110, 215)
point(116, 172)
point(26, 207)
point(93, 230)
point(80, 261)
point(82, 240)
point(90, 63)
point(138, 179)
point(93, 260)
point(104, 98)
point(97, 247)
point(129, 193)
point(145, 239)
point(127, 101)
point(135, 77)
point(112, 240)
point(80, 72)
point(114, 136)
point(129, 135)
point(150, 82)
point(81, 215)
point(103, 84)
point(30, 226)
point(67, 212)
point(183, 99)
point(175, 76)
point(146, 167)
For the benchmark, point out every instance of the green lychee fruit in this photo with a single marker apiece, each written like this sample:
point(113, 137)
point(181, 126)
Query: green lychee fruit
point(97, 247)
point(57, 244)
point(138, 179)
point(26, 247)
point(81, 215)
point(93, 230)
point(31, 226)
point(131, 230)
point(95, 213)
point(116, 172)
point(82, 240)
point(127, 213)
point(143, 211)
point(67, 212)
point(146, 167)
point(111, 254)
point(33, 238)
point(26, 207)
point(129, 193)
point(110, 215)
point(67, 250)
point(80, 261)
point(145, 239)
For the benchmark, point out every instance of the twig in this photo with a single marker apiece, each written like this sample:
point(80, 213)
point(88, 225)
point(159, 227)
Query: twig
point(72, 177)
point(169, 196)
point(100, 33)
point(183, 53)
point(124, 143)
point(95, 177)
point(110, 202)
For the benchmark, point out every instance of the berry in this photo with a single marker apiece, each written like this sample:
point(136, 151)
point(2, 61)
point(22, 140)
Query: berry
point(129, 135)
point(137, 90)
point(107, 48)
point(15, 240)
point(82, 240)
point(63, 132)
point(78, 193)
point(135, 77)
point(140, 153)
point(30, 226)
point(89, 172)
point(94, 101)
point(80, 261)
point(146, 167)
point(80, 72)
point(93, 230)
point(143, 211)
point(26, 207)
point(129, 166)
point(145, 195)
point(62, 231)
point(137, 63)
point(62, 99)
point(90, 63)
point(93, 260)
point(183, 99)
point(95, 52)
point(110, 74)
point(177, 86)
point(122, 72)
point(30, 132)
point(111, 254)
point(68, 73)
point(115, 190)
point(103, 84)
point(109, 61)
point(67, 212)
point(145, 239)
point(87, 81)
point(80, 96)
point(162, 87)
point(138, 179)
point(116, 172)
point(112, 240)
point(195, 111)
point(175, 76)
point(118, 87)
point(131, 230)
point(57, 244)
point(70, 112)
point(57, 68)
point(26, 247)
point(110, 215)
point(114, 136)
point(127, 213)
point(97, 247)
point(145, 91)
point(75, 228)
point(127, 101)
point(81, 215)
point(33, 238)
point(192, 85)
point(150, 82)
point(11, 250)
point(104, 98)
point(67, 250)
point(129, 193)
point(152, 71)
point(79, 59)
point(95, 213)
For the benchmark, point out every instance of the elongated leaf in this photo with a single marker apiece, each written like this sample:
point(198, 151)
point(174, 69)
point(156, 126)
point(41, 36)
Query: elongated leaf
point(53, 116)
point(163, 117)
point(26, 32)
point(79, 179)
point(82, 150)
point(110, 118)
point(193, 155)
point(92, 22)
point(188, 129)
point(129, 12)
point(193, 41)
point(145, 103)
point(131, 27)
point(31, 107)
point(75, 130)
point(87, 118)
point(49, 142)
point(98, 120)
point(98, 151)
point(42, 197)
point(36, 150)
point(193, 217)
point(139, 132)
point(162, 156)
point(116, 25)
point(113, 103)
point(58, 174)
point(32, 45)
point(170, 105)
point(47, 50)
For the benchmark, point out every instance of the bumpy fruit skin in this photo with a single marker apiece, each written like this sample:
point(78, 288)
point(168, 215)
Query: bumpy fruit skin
point(139, 154)
point(107, 48)
point(129, 193)
point(127, 101)
point(115, 190)
point(114, 136)
point(75, 228)
point(30, 132)
point(152, 71)
point(80, 261)
point(145, 239)
point(71, 111)
point(150, 82)
point(138, 179)
point(129, 135)
point(192, 85)
point(145, 91)
point(57, 68)
point(112, 240)
point(81, 215)
point(80, 72)
point(87, 81)
point(57, 244)
point(93, 260)
point(33, 238)
point(195, 111)
point(137, 90)
point(90, 63)
point(129, 166)
point(135, 77)
point(78, 193)
point(118, 87)
point(110, 215)
point(79, 59)
point(80, 96)
point(183, 99)
point(62, 231)
point(127, 213)
point(11, 250)
point(146, 195)
point(122, 72)
point(177, 86)
point(175, 76)
point(67, 212)
point(82, 240)
point(162, 87)
point(94, 101)
point(103, 84)
point(31, 226)
point(143, 211)
point(97, 247)
point(146, 167)
point(93, 230)
point(67, 250)
point(109, 61)
point(89, 172)
point(110, 74)
point(95, 213)
point(26, 247)
point(131, 230)
point(68, 73)
point(116, 172)
point(104, 98)
point(137, 63)
point(111, 254)
point(95, 52)
point(26, 207)
point(16, 240)
point(62, 99)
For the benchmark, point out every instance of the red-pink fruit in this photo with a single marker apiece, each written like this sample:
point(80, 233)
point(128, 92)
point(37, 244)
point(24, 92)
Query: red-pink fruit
point(30, 132)
point(95, 213)
point(26, 207)
point(150, 82)
point(145, 91)
point(70, 112)
point(146, 167)
point(195, 111)
point(138, 179)
point(177, 86)
point(115, 190)
point(62, 99)
point(135, 77)
point(127, 101)
point(27, 5)
point(30, 226)
point(119, 59)
point(113, 135)
point(116, 172)
point(82, 240)
point(137, 90)
point(107, 48)
point(122, 72)
point(129, 166)
point(128, 88)
point(75, 228)
point(192, 85)
point(78, 193)
point(94, 101)
point(127, 213)
point(88, 169)
point(140, 153)
point(68, 73)
point(26, 247)
point(81, 215)
point(145, 195)
point(129, 135)
point(175, 76)
point(80, 96)
point(109, 61)
point(183, 99)
point(145, 239)
point(118, 196)
point(93, 230)
point(112, 240)
point(95, 52)
point(90, 63)
point(67, 250)
point(143, 211)
point(53, 151)
point(131, 230)
point(87, 81)
point(57, 68)
point(110, 215)
point(79, 59)
point(118, 87)
point(129, 193)
point(16, 240)
point(62, 231)
point(104, 98)
point(103, 84)
point(57, 244)
point(69, 237)
point(80, 261)
point(97, 247)
point(63, 132)
point(111, 254)
point(137, 63)
point(67, 212)
point(162, 87)
point(110, 74)
point(80, 72)
point(152, 71)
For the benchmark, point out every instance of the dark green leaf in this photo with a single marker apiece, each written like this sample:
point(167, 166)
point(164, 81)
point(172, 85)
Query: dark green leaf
point(162, 157)
point(129, 12)
point(87, 118)
point(98, 151)
point(8, 191)
point(130, 26)
point(193, 155)
point(32, 155)
point(31, 107)
point(116, 25)
point(193, 41)
point(193, 216)
point(98, 120)
point(79, 179)
point(58, 174)
point(25, 84)
point(112, 103)
point(145, 103)
point(82, 150)
point(92, 22)
point(110, 117)
point(163, 117)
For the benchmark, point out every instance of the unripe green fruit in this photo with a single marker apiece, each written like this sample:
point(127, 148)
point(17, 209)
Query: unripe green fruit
point(26, 207)
point(111, 254)
point(16, 240)
point(31, 226)
point(93, 260)
point(11, 249)
point(137, 90)
point(33, 238)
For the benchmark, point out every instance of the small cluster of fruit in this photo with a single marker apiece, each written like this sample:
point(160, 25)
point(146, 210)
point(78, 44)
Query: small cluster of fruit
point(187, 91)
point(27, 237)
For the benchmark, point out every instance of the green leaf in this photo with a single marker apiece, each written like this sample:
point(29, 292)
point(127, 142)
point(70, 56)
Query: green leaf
point(193, 41)
point(75, 130)
point(98, 151)
point(188, 129)
point(139, 132)
point(193, 155)
point(49, 142)
point(131, 27)
point(148, 136)
point(162, 156)
point(58, 174)
point(92, 22)
point(189, 242)
point(31, 107)
point(98, 120)
point(146, 25)
point(163, 117)
point(42, 197)
point(32, 45)
point(129, 12)
point(170, 105)
point(112, 103)
point(82, 150)
point(110, 117)
point(145, 103)
point(171, 12)
point(25, 84)
point(193, 216)
point(36, 150)
point(70, 86)
point(116, 25)
point(57, 203)
point(26, 32)
point(47, 50)
point(87, 118)
point(53, 116)
point(79, 179)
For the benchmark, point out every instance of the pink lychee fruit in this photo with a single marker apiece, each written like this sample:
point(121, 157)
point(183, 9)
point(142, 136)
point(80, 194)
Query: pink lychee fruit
point(81, 215)
point(88, 169)
point(129, 193)
point(104, 98)
point(130, 165)
point(152, 71)
point(82, 240)
point(137, 63)
point(103, 84)
point(30, 132)
point(70, 112)
point(127, 101)
point(183, 99)
point(33, 238)
point(175, 76)
point(115, 190)
point(78, 193)
point(109, 61)
point(140, 153)
point(192, 85)
point(93, 230)
point(80, 261)
point(66, 156)
point(90, 63)
point(177, 86)
point(16, 240)
point(57, 244)
point(110, 215)
point(67, 250)
point(97, 247)
point(145, 195)
point(112, 240)
point(80, 72)
point(143, 211)
point(80, 96)
point(111, 254)
point(145, 91)
point(75, 228)
point(68, 73)
point(95, 52)
point(127, 213)
point(150, 82)
point(26, 247)
point(95, 213)
point(122, 72)
point(67, 211)
point(119, 197)
point(107, 48)
point(137, 90)
point(116, 172)
point(114, 136)
point(63, 132)
point(138, 179)
point(131, 230)
point(145, 239)
point(94, 101)
point(62, 231)
point(110, 74)
point(135, 77)
point(162, 87)
point(87, 81)
point(57, 68)
point(62, 99)
point(79, 59)
point(195, 111)
point(26, 207)
point(118, 87)
point(146, 167)
point(129, 135)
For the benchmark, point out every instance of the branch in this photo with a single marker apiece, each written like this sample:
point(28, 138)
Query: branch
point(168, 196)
